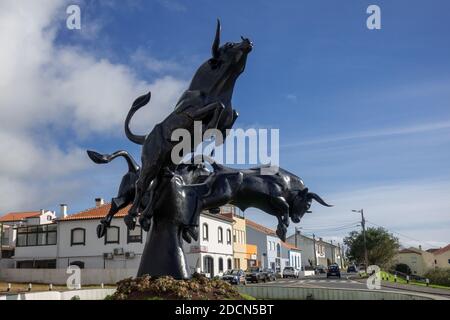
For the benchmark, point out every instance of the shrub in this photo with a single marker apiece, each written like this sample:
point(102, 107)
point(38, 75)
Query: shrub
point(439, 277)
point(199, 288)
point(403, 268)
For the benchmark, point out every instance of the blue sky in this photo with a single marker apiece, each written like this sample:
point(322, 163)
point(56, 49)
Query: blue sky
point(364, 115)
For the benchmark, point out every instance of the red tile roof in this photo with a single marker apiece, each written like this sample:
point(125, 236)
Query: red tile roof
point(102, 211)
point(269, 232)
point(410, 250)
point(18, 216)
point(260, 228)
point(442, 250)
point(95, 213)
point(289, 246)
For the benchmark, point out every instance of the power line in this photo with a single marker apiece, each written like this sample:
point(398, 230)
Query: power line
point(353, 224)
point(400, 234)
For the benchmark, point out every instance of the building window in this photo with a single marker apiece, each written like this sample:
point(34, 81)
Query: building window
point(134, 235)
point(112, 235)
point(78, 237)
point(36, 235)
point(229, 264)
point(278, 250)
point(234, 236)
point(237, 263)
point(220, 264)
point(228, 236)
point(220, 235)
point(205, 232)
point(79, 264)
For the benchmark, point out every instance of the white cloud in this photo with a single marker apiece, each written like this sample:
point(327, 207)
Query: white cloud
point(381, 133)
point(143, 59)
point(418, 213)
point(49, 89)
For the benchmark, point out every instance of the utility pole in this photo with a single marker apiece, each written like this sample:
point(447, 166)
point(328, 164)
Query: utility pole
point(341, 254)
point(315, 253)
point(1, 240)
point(297, 230)
point(363, 225)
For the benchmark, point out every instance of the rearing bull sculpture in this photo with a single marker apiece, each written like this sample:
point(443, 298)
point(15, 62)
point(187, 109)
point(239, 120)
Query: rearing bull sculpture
point(172, 195)
point(208, 99)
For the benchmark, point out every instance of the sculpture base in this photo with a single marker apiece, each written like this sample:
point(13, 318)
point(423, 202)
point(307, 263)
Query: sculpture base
point(163, 253)
point(167, 288)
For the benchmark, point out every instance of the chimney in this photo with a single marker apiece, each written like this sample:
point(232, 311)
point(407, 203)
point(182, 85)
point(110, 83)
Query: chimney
point(42, 211)
point(420, 247)
point(99, 202)
point(63, 210)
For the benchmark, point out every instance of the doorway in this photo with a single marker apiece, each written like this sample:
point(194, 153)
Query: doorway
point(208, 264)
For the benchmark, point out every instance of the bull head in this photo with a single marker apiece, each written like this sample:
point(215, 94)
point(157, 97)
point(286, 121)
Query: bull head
point(217, 76)
point(302, 203)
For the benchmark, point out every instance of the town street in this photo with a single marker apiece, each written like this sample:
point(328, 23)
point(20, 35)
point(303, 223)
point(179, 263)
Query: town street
point(349, 281)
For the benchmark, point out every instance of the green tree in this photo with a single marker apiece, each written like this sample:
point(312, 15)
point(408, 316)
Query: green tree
point(381, 246)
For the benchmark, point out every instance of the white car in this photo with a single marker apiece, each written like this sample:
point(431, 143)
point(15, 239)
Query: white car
point(290, 272)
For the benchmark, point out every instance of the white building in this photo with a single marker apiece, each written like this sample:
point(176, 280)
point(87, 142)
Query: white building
point(212, 253)
point(292, 254)
point(42, 242)
point(20, 229)
point(316, 251)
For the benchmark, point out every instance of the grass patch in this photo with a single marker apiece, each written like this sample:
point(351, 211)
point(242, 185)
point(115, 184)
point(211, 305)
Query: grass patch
point(247, 297)
point(391, 278)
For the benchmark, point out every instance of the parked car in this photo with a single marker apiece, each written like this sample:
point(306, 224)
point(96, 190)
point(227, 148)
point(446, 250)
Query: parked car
point(333, 270)
point(270, 274)
point(352, 268)
point(235, 276)
point(290, 272)
point(321, 269)
point(255, 274)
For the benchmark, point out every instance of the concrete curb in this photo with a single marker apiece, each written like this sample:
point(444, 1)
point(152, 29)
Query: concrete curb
point(318, 293)
point(88, 294)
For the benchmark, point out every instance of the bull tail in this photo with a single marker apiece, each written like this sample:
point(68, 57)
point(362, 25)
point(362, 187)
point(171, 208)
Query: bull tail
point(106, 158)
point(137, 104)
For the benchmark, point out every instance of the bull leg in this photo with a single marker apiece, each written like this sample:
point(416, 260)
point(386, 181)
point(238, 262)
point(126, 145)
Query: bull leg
point(281, 229)
point(116, 204)
point(147, 214)
point(142, 183)
point(216, 108)
point(282, 208)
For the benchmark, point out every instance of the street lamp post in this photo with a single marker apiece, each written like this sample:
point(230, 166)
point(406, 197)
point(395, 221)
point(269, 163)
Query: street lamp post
point(363, 225)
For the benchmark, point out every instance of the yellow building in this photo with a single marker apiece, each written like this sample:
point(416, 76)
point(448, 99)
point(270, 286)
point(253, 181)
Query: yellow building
point(442, 257)
point(252, 255)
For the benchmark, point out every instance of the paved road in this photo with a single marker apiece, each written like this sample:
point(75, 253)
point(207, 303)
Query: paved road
point(318, 281)
point(349, 281)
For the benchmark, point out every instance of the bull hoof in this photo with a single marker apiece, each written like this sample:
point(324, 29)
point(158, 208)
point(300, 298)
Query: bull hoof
point(101, 230)
point(214, 210)
point(281, 233)
point(186, 236)
point(145, 223)
point(130, 222)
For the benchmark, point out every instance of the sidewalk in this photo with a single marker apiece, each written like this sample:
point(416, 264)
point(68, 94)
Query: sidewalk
point(415, 288)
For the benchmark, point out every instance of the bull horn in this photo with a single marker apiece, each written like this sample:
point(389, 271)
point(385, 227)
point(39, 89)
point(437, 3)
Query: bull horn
point(216, 43)
point(314, 196)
